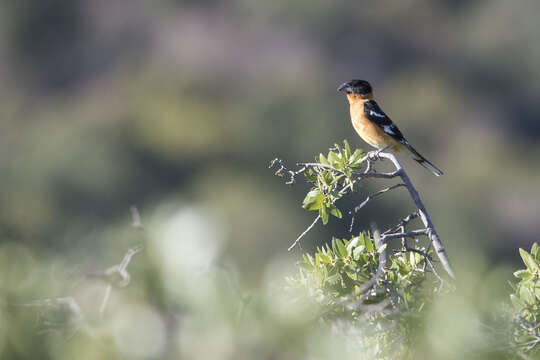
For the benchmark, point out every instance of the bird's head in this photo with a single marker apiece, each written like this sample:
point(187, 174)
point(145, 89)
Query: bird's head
point(357, 88)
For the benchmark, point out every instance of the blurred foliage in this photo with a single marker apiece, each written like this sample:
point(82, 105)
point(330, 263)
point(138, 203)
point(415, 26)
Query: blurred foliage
point(385, 315)
point(176, 106)
point(526, 302)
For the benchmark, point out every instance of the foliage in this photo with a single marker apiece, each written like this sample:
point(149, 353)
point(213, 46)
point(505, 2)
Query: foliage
point(324, 193)
point(344, 280)
point(526, 301)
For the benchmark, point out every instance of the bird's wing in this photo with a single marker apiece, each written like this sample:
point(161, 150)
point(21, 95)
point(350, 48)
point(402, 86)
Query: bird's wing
point(375, 114)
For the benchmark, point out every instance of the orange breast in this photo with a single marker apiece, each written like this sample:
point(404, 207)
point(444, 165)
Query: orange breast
point(369, 131)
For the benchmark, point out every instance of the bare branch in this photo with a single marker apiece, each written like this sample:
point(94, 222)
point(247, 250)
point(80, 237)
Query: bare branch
point(413, 233)
point(63, 314)
point(364, 203)
point(116, 275)
point(424, 216)
point(105, 300)
point(403, 222)
point(304, 233)
point(283, 169)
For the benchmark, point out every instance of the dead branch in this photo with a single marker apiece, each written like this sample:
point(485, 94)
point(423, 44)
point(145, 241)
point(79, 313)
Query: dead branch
point(364, 203)
point(424, 215)
point(304, 233)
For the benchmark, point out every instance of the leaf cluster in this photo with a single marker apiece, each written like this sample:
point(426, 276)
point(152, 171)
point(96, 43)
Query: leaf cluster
point(338, 273)
point(345, 281)
point(330, 182)
point(526, 301)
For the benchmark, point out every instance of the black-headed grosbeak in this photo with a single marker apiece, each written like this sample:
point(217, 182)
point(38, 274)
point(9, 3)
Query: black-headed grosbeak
point(374, 126)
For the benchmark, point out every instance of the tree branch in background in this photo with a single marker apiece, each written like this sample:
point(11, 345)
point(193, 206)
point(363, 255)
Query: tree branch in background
point(116, 275)
point(67, 312)
point(304, 233)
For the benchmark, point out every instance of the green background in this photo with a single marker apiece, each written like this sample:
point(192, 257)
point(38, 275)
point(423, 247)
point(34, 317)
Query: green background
point(178, 106)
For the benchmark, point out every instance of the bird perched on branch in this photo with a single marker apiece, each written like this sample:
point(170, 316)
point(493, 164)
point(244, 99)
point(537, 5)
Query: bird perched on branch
point(374, 126)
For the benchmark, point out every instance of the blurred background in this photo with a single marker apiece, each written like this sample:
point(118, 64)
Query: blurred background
point(177, 107)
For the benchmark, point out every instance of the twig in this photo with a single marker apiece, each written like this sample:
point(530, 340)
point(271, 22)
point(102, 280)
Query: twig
point(283, 169)
point(413, 233)
point(363, 203)
point(366, 287)
point(403, 222)
point(304, 233)
point(116, 275)
point(105, 300)
point(359, 174)
point(63, 313)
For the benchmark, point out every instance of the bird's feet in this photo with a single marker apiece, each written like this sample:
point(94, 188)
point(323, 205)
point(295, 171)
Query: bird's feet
point(374, 155)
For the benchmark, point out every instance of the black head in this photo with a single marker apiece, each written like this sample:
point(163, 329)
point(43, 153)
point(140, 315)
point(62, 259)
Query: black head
point(360, 87)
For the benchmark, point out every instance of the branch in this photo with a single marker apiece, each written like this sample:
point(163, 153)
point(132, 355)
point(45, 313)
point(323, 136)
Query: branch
point(364, 203)
point(413, 233)
point(366, 287)
point(406, 182)
point(62, 314)
point(304, 233)
point(403, 222)
point(116, 275)
point(424, 216)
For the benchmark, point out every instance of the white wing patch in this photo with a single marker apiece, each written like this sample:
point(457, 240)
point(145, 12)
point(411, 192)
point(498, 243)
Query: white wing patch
point(388, 129)
point(371, 112)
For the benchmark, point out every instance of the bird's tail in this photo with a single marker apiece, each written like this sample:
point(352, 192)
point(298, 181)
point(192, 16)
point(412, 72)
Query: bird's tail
point(423, 161)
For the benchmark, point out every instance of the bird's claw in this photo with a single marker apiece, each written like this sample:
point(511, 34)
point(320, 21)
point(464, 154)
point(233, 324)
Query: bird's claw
point(374, 155)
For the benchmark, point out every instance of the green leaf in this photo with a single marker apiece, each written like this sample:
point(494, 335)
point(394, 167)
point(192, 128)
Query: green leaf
point(526, 295)
point(323, 160)
point(523, 274)
point(310, 176)
point(335, 211)
point(313, 200)
point(336, 179)
point(358, 251)
point(356, 157)
point(341, 248)
point(352, 244)
point(323, 212)
point(347, 148)
point(369, 243)
point(412, 258)
point(328, 177)
point(347, 282)
point(335, 160)
point(325, 259)
point(332, 279)
point(535, 252)
point(529, 261)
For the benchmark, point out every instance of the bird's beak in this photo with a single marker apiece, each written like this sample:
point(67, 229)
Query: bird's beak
point(344, 87)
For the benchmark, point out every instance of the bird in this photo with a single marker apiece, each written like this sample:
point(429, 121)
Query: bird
point(374, 126)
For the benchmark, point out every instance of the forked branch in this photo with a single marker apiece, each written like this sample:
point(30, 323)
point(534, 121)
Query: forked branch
point(343, 187)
